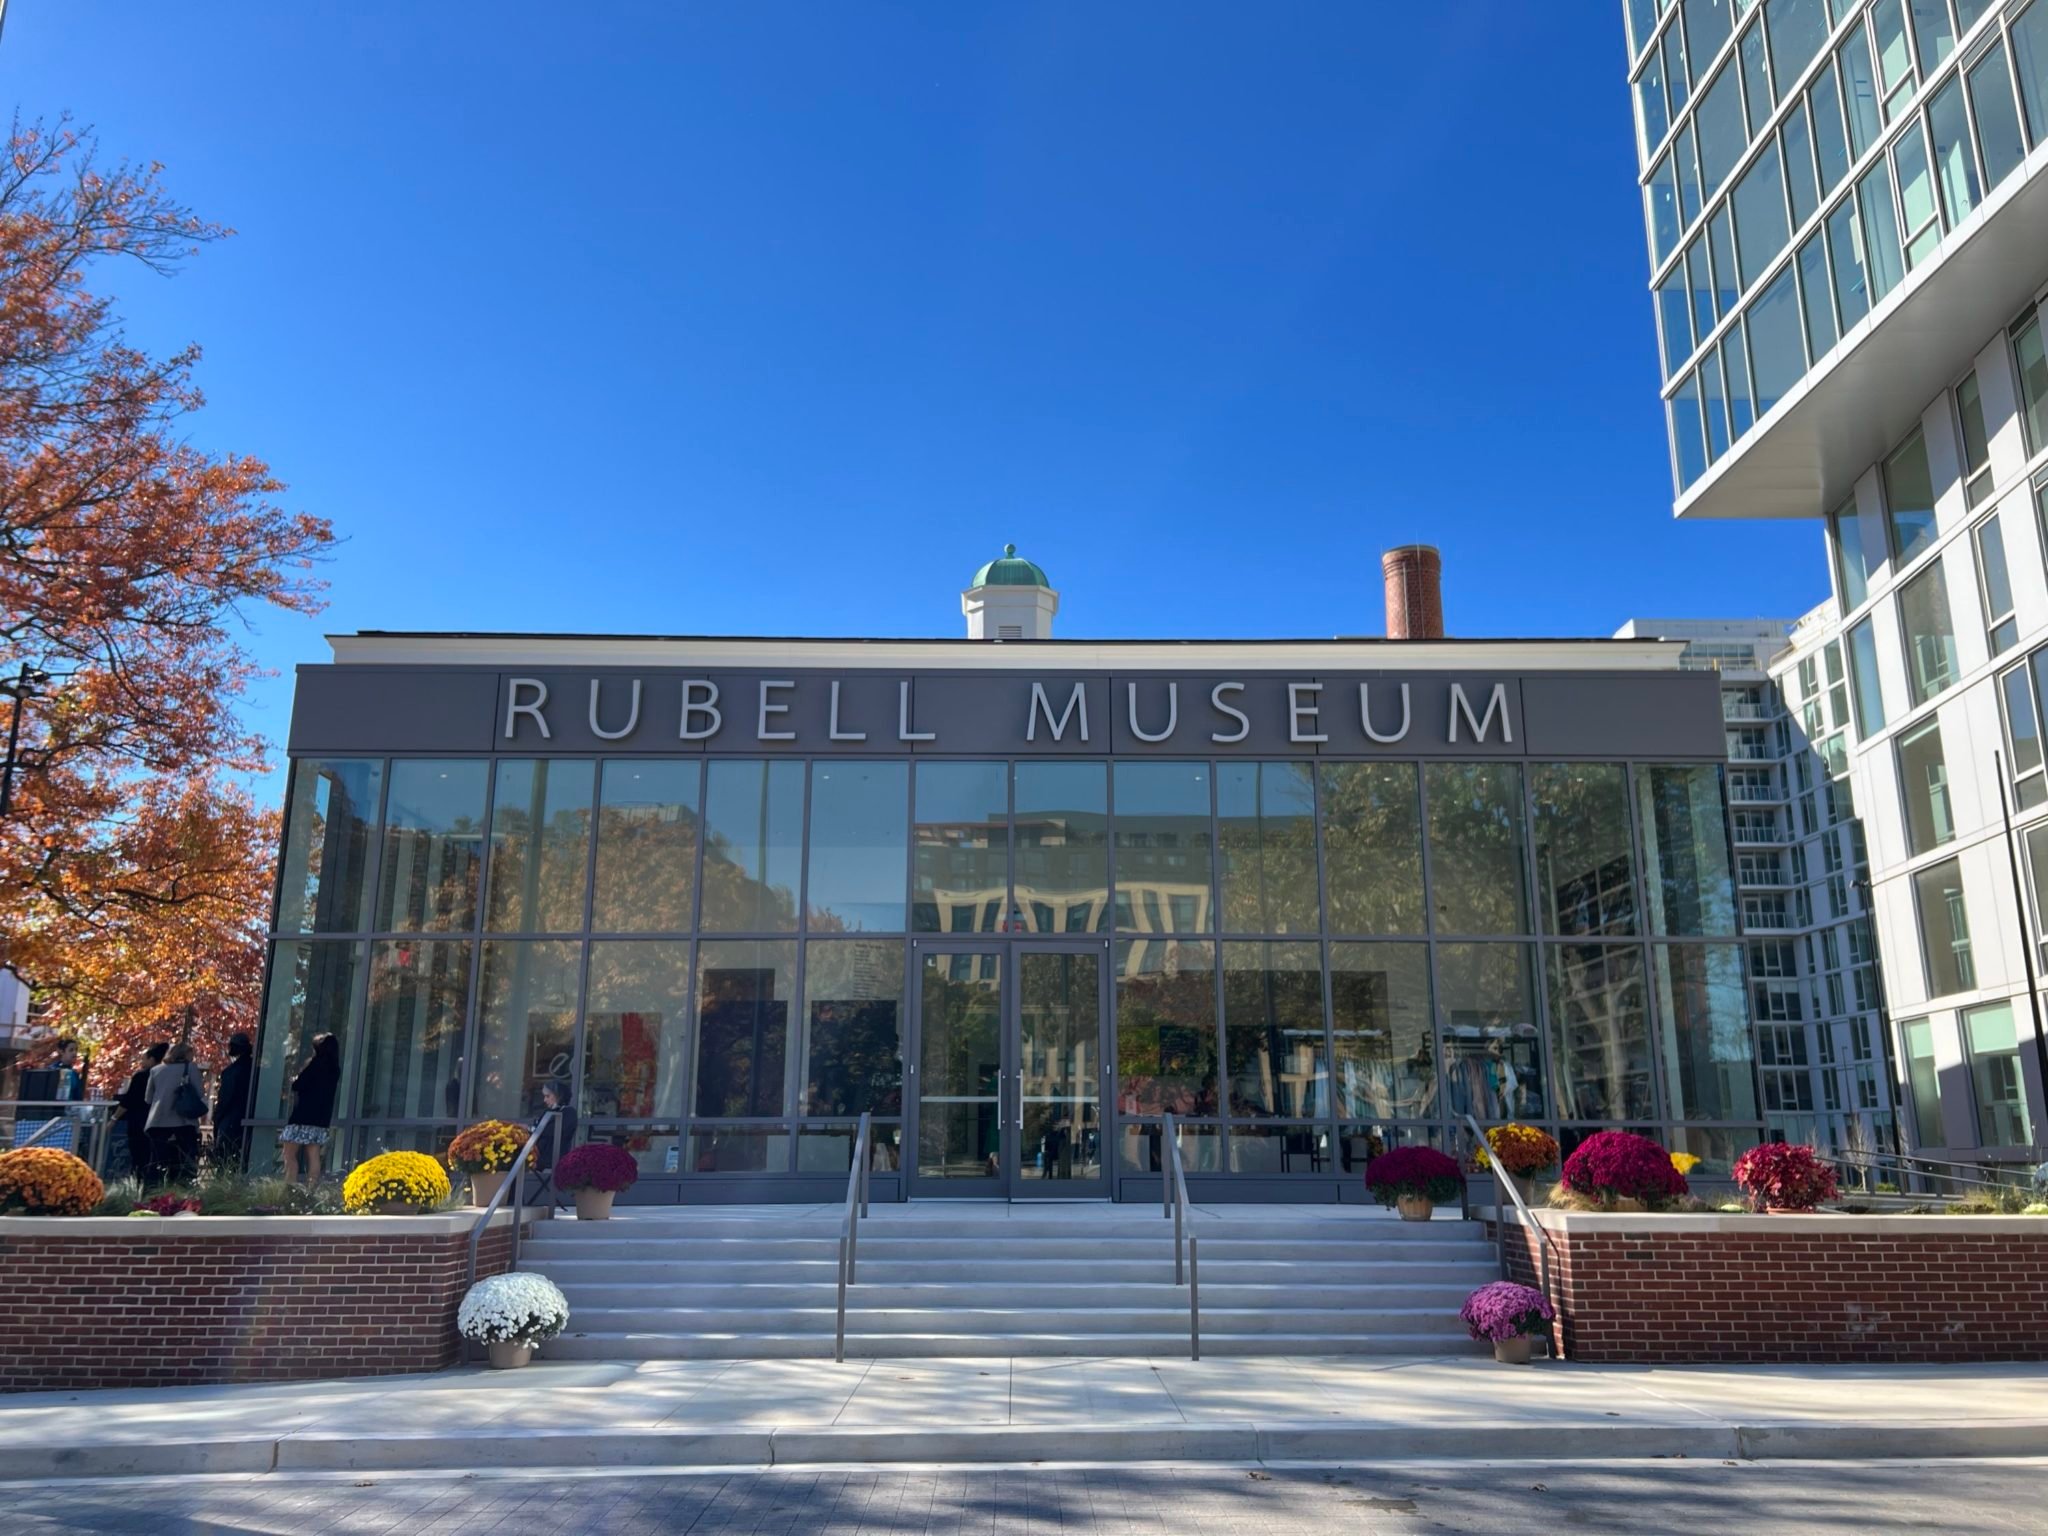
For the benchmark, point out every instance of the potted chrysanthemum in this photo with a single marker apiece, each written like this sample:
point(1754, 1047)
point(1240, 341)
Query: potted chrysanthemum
point(1414, 1180)
point(1507, 1315)
point(595, 1172)
point(486, 1151)
point(1785, 1177)
point(394, 1184)
point(1623, 1172)
point(511, 1313)
point(1518, 1154)
point(48, 1181)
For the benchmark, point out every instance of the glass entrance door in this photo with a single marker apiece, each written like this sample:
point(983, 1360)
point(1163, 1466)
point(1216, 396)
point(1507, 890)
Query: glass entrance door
point(1010, 1070)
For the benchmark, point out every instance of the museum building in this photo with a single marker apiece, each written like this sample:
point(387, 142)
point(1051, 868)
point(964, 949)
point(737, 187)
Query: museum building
point(1016, 897)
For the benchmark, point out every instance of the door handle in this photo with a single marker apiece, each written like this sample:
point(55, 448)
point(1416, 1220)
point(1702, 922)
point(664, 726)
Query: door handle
point(999, 1101)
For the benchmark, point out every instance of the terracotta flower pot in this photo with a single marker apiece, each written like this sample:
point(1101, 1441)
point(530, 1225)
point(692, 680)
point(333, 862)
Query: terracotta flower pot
point(1628, 1203)
point(593, 1204)
point(1414, 1207)
point(484, 1187)
point(1513, 1351)
point(507, 1356)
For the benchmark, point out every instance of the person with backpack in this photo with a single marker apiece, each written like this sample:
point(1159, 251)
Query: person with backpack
point(176, 1106)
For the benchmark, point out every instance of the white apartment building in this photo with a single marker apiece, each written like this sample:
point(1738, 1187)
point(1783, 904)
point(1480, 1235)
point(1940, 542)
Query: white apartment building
point(1847, 205)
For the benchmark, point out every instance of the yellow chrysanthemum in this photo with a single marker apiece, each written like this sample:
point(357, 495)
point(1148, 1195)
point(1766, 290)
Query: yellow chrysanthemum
point(409, 1178)
point(489, 1146)
point(1684, 1162)
point(48, 1181)
point(1522, 1149)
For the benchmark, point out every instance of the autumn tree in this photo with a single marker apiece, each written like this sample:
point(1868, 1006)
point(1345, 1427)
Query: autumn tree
point(134, 869)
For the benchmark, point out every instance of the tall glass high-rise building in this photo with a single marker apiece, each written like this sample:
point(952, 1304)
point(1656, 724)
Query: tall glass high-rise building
point(1846, 206)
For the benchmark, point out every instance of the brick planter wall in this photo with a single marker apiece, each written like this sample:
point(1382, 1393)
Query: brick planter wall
point(1816, 1288)
point(113, 1302)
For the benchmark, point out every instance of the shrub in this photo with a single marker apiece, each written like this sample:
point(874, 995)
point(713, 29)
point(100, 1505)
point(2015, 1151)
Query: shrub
point(1787, 1175)
point(516, 1308)
point(48, 1181)
point(406, 1178)
point(1413, 1171)
point(489, 1146)
point(1521, 1149)
point(1620, 1165)
point(166, 1204)
point(1505, 1310)
point(597, 1165)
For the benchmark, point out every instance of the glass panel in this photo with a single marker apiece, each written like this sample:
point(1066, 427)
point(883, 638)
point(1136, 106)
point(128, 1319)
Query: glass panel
point(1760, 229)
point(1706, 27)
point(1486, 1003)
point(1266, 847)
point(1642, 22)
point(1686, 440)
point(853, 1028)
point(1722, 133)
point(739, 1149)
point(1923, 780)
point(1165, 1027)
point(1059, 1025)
point(1800, 183)
point(744, 991)
point(1916, 195)
point(1859, 89)
point(1651, 111)
point(1798, 28)
point(327, 845)
point(1830, 139)
point(1813, 294)
point(526, 1026)
point(1063, 847)
point(1777, 351)
point(315, 985)
point(1933, 34)
point(1685, 838)
point(1273, 1031)
point(1163, 848)
point(656, 1149)
point(1883, 262)
point(636, 1026)
point(1372, 848)
point(1142, 1146)
point(1281, 1149)
point(540, 845)
point(960, 1065)
point(1686, 158)
point(647, 846)
point(1863, 674)
point(753, 847)
point(1674, 319)
point(1584, 871)
point(1977, 455)
point(1478, 871)
point(1599, 1037)
point(1756, 79)
point(961, 879)
point(1703, 1033)
point(1661, 200)
point(412, 1035)
point(829, 1148)
point(860, 856)
point(1677, 73)
point(1909, 499)
point(2030, 63)
point(1927, 1131)
point(433, 846)
point(1995, 1073)
point(1895, 59)
point(1735, 364)
point(2020, 722)
point(1700, 281)
point(1998, 116)
point(1996, 584)
point(1715, 405)
point(1845, 247)
point(1386, 1056)
point(1930, 634)
point(1944, 929)
point(2031, 358)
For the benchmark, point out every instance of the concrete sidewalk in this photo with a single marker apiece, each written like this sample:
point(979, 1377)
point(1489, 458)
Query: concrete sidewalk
point(688, 1413)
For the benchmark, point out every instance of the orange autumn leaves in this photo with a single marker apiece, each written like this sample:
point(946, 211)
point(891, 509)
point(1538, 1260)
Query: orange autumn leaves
point(134, 867)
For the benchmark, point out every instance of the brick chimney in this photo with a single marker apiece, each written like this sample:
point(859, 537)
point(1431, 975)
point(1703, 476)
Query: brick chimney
point(1415, 597)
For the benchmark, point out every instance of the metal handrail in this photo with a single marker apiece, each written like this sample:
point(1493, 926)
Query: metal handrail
point(849, 1226)
point(1175, 1203)
point(515, 1179)
point(1910, 1162)
point(1546, 1244)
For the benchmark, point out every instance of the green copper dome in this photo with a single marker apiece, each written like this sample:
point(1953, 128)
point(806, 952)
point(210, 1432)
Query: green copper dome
point(1010, 572)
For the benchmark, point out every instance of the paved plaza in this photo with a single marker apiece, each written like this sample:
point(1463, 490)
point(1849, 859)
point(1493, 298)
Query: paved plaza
point(1701, 1499)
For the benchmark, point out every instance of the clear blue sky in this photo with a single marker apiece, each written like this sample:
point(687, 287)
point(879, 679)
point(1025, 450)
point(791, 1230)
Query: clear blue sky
point(780, 318)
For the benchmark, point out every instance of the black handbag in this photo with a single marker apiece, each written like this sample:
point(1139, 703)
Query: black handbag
point(187, 1100)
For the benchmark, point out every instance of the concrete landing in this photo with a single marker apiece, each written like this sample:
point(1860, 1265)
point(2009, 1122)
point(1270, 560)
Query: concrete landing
point(693, 1413)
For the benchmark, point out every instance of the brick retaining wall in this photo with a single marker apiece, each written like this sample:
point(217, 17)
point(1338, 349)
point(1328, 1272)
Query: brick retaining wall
point(185, 1300)
point(1814, 1288)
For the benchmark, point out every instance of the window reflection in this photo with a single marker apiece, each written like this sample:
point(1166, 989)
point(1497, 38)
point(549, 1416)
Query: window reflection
point(744, 991)
point(326, 861)
point(412, 1033)
point(540, 845)
point(753, 846)
point(647, 846)
point(1163, 848)
point(1704, 1033)
point(526, 1026)
point(1273, 1030)
point(1584, 870)
point(1385, 1053)
point(860, 826)
point(1477, 869)
point(961, 874)
point(1266, 847)
point(1486, 1003)
point(853, 1028)
point(1686, 878)
point(1372, 847)
point(433, 846)
point(636, 1022)
point(1600, 1044)
point(1062, 848)
point(1165, 1027)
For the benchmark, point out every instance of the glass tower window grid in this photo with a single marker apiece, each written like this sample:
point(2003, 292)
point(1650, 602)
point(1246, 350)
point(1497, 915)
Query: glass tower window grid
point(1994, 584)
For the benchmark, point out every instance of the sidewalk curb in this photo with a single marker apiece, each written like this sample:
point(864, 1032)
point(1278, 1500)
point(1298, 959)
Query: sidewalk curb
point(1221, 1442)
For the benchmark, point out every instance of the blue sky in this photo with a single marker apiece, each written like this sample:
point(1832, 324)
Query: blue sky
point(776, 318)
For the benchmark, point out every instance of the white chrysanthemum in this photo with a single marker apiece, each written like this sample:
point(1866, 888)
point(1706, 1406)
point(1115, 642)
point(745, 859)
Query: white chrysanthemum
point(515, 1308)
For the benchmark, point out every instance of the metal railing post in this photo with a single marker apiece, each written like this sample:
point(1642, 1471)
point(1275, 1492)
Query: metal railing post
point(1544, 1241)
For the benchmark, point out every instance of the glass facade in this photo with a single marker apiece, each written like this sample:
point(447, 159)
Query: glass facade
point(1795, 170)
point(722, 962)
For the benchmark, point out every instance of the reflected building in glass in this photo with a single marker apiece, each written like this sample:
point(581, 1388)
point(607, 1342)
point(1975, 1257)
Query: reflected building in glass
point(1016, 901)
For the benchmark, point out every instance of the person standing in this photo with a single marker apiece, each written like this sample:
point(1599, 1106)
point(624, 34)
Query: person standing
point(134, 1102)
point(304, 1138)
point(176, 1106)
point(231, 1104)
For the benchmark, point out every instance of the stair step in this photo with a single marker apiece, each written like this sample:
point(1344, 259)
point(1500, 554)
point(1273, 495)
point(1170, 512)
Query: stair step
point(872, 1271)
point(586, 1295)
point(670, 1346)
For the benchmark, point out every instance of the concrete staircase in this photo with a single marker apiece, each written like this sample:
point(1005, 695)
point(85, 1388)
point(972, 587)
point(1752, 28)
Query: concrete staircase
point(1001, 1280)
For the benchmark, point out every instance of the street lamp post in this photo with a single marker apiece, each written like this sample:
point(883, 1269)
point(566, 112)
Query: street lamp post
point(26, 682)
